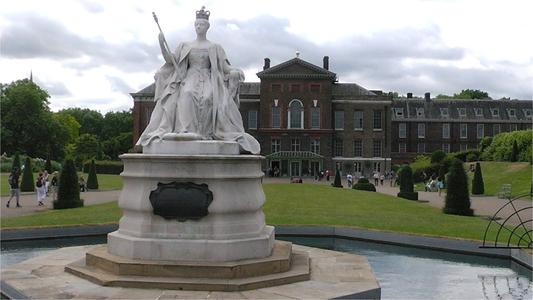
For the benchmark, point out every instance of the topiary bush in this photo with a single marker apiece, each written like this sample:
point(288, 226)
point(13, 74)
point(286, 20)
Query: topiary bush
point(437, 156)
point(92, 180)
point(27, 184)
point(68, 195)
point(16, 162)
point(457, 198)
point(364, 185)
point(406, 184)
point(337, 181)
point(478, 187)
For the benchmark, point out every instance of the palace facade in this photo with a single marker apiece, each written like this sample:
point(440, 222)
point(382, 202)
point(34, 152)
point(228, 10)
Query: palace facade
point(306, 121)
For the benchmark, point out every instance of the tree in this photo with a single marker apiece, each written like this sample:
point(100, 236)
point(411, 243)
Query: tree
point(471, 94)
point(337, 181)
point(484, 143)
point(87, 147)
point(91, 121)
point(27, 184)
point(16, 162)
point(457, 197)
point(514, 152)
point(71, 125)
point(437, 156)
point(406, 184)
point(115, 123)
point(48, 166)
point(92, 180)
point(68, 195)
point(478, 187)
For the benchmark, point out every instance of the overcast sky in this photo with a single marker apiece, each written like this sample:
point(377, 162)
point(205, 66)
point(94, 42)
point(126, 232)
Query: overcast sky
point(90, 53)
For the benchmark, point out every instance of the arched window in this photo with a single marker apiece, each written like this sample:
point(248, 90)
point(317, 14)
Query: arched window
point(296, 114)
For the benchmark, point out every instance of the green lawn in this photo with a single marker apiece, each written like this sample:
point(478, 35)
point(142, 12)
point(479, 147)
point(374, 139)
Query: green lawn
point(105, 182)
point(307, 204)
point(495, 174)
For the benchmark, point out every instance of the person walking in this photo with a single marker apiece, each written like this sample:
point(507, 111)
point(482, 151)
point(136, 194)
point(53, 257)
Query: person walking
point(45, 182)
point(55, 185)
point(41, 192)
point(376, 178)
point(440, 185)
point(13, 181)
point(349, 178)
point(381, 179)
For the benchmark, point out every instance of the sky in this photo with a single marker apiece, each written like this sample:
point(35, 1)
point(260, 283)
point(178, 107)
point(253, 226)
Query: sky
point(92, 54)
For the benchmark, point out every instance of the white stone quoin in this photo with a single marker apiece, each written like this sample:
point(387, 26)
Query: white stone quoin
point(235, 227)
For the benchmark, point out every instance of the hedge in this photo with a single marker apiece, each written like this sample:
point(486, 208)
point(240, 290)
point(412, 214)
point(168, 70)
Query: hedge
point(105, 167)
point(364, 185)
point(502, 146)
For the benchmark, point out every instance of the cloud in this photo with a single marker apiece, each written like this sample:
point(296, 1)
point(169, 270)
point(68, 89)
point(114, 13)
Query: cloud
point(54, 88)
point(119, 85)
point(91, 6)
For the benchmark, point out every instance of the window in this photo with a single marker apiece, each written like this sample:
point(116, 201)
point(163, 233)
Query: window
point(420, 112)
point(276, 87)
point(480, 131)
point(512, 113)
point(296, 114)
point(445, 131)
point(495, 129)
point(377, 166)
point(513, 127)
point(402, 147)
point(252, 119)
point(377, 148)
point(495, 113)
point(276, 118)
point(463, 131)
point(444, 112)
point(398, 112)
point(358, 120)
point(421, 147)
point(478, 111)
point(446, 147)
point(377, 119)
point(462, 112)
point(315, 117)
point(421, 130)
point(315, 146)
point(295, 88)
point(463, 147)
point(402, 130)
point(295, 144)
point(315, 87)
point(338, 151)
point(275, 145)
point(358, 148)
point(527, 113)
point(339, 119)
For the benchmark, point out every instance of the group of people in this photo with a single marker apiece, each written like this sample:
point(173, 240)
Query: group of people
point(42, 185)
point(379, 178)
point(433, 183)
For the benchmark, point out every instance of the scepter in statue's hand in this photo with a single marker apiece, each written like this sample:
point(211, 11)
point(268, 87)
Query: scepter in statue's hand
point(163, 42)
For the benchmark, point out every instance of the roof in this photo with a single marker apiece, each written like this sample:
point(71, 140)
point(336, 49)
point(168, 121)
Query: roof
point(350, 89)
point(317, 72)
point(294, 154)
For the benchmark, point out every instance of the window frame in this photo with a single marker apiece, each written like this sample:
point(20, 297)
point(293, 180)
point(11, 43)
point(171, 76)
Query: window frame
point(358, 148)
point(379, 113)
point(250, 113)
point(404, 125)
point(465, 131)
point(446, 125)
point(423, 135)
point(362, 122)
point(289, 112)
point(336, 119)
point(478, 126)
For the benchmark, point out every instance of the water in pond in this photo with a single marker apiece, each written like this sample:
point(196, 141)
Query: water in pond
point(403, 273)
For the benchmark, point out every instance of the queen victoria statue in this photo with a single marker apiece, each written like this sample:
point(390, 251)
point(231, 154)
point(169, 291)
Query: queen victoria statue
point(197, 94)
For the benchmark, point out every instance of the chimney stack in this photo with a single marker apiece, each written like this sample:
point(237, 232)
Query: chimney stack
point(326, 62)
point(409, 95)
point(267, 63)
point(427, 96)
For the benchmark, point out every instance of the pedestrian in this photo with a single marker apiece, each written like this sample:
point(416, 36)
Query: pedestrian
point(381, 179)
point(13, 181)
point(440, 184)
point(46, 183)
point(392, 178)
point(55, 185)
point(327, 175)
point(376, 178)
point(83, 185)
point(349, 178)
point(40, 187)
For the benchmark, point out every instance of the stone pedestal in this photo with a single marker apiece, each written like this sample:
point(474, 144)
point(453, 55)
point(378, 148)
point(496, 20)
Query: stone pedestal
point(234, 228)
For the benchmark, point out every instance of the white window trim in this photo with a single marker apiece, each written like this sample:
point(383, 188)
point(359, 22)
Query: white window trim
point(256, 114)
point(301, 115)
point(448, 135)
point(495, 115)
point(459, 109)
point(476, 110)
point(444, 109)
point(482, 126)
point(460, 131)
point(335, 120)
point(311, 119)
point(423, 136)
point(404, 130)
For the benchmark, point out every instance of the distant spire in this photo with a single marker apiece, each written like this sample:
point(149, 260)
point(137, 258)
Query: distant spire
point(297, 53)
point(31, 75)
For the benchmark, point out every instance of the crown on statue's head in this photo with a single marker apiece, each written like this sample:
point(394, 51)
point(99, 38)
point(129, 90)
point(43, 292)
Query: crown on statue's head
point(203, 14)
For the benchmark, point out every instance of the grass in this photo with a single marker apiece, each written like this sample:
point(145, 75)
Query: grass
point(307, 204)
point(106, 182)
point(495, 174)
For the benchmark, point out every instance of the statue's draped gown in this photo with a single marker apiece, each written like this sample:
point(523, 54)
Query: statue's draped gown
point(195, 97)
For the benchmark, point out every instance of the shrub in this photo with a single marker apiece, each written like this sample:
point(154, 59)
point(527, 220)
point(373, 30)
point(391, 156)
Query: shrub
point(16, 162)
point(105, 167)
point(468, 155)
point(27, 184)
point(92, 180)
point(478, 187)
point(364, 185)
point(68, 195)
point(406, 184)
point(337, 181)
point(437, 156)
point(502, 144)
point(457, 197)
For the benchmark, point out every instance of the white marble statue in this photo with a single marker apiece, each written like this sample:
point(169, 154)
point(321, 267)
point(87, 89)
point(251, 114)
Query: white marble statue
point(197, 94)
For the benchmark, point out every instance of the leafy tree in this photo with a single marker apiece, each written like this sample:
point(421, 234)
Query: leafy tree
point(485, 142)
point(87, 147)
point(437, 156)
point(457, 197)
point(337, 181)
point(406, 184)
point(48, 166)
point(471, 94)
point(441, 96)
point(514, 152)
point(116, 123)
point(16, 162)
point(118, 145)
point(502, 146)
point(92, 180)
point(91, 121)
point(68, 195)
point(71, 125)
point(27, 184)
point(478, 187)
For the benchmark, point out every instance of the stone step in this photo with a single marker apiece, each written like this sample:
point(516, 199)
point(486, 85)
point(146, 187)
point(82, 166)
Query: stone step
point(278, 262)
point(299, 271)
